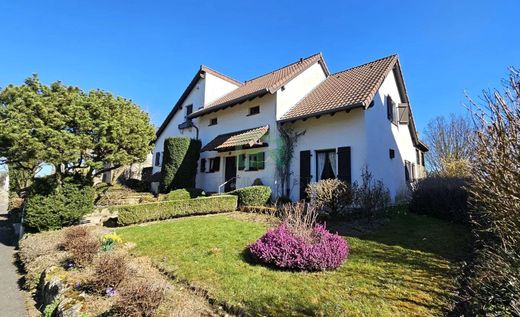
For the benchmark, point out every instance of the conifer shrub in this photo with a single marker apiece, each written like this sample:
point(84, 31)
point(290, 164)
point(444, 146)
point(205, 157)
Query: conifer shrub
point(179, 168)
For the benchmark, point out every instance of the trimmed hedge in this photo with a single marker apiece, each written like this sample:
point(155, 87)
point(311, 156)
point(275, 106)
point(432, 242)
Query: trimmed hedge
point(132, 214)
point(64, 206)
point(442, 197)
point(253, 195)
point(179, 168)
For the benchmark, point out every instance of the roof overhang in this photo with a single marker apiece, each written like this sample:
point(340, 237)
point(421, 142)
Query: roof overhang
point(248, 138)
point(231, 103)
point(317, 115)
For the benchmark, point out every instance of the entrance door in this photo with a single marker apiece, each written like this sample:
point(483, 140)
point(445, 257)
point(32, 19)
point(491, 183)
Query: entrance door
point(231, 173)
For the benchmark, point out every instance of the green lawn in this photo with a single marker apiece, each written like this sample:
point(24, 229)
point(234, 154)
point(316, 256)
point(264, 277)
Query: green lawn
point(403, 269)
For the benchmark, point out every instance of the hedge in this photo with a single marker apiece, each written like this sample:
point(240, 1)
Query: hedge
point(253, 195)
point(132, 214)
point(442, 197)
point(179, 168)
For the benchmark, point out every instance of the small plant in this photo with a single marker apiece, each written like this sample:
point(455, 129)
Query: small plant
point(109, 241)
point(81, 244)
point(110, 269)
point(330, 196)
point(299, 243)
point(139, 299)
point(370, 196)
point(51, 308)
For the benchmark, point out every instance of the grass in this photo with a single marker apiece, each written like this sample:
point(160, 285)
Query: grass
point(404, 269)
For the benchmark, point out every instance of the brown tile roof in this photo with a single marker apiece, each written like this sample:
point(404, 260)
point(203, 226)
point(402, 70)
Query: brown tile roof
point(354, 87)
point(259, 86)
point(200, 73)
point(231, 140)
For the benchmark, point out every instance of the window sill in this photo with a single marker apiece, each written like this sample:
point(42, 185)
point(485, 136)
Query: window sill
point(252, 114)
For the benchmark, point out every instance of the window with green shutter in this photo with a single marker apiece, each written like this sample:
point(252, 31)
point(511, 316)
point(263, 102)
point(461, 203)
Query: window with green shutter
point(241, 162)
point(256, 161)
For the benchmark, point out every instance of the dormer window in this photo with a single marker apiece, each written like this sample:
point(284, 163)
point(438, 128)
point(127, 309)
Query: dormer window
point(254, 110)
point(213, 121)
point(189, 110)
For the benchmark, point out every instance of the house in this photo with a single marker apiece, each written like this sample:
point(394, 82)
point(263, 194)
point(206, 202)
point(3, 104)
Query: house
point(347, 120)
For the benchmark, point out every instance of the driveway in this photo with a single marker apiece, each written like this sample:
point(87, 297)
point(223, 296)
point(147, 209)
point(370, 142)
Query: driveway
point(11, 300)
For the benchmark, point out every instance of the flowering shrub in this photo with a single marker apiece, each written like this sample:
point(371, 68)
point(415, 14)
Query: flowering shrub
point(281, 247)
point(109, 241)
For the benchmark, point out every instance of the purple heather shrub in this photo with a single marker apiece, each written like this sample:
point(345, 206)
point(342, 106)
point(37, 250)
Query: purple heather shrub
point(321, 250)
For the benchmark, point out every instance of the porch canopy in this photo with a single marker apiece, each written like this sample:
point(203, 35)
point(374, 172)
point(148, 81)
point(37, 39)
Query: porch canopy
point(244, 139)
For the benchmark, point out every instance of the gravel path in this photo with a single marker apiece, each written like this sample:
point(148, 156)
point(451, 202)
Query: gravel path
point(11, 299)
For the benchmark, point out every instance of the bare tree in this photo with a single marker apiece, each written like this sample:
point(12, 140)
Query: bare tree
point(451, 144)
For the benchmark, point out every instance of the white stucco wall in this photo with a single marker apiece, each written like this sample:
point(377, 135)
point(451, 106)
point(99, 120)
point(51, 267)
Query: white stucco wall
point(298, 88)
point(235, 119)
point(216, 87)
point(329, 132)
point(382, 135)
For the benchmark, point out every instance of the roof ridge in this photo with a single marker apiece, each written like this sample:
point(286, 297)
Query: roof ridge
point(229, 78)
point(365, 64)
point(280, 68)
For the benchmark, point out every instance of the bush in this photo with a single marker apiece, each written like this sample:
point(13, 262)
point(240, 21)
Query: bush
point(110, 269)
point(179, 168)
point(370, 196)
point(284, 249)
point(185, 193)
point(137, 184)
point(139, 299)
point(441, 197)
point(64, 206)
point(131, 214)
point(331, 196)
point(81, 245)
point(253, 195)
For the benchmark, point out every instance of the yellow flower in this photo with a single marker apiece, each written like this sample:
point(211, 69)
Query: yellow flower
point(112, 237)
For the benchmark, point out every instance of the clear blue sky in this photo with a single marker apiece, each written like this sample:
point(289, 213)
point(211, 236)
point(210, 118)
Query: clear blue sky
point(148, 51)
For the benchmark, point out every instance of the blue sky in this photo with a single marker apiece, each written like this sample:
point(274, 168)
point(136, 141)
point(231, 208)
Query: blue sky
point(149, 51)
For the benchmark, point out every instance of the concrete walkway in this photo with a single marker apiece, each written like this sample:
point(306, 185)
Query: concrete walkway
point(11, 300)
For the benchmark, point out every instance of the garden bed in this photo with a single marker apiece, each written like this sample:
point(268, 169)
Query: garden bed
point(404, 268)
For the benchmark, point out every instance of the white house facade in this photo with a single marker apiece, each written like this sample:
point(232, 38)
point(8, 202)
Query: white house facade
point(347, 120)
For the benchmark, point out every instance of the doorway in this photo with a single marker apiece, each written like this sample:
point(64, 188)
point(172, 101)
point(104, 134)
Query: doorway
point(230, 173)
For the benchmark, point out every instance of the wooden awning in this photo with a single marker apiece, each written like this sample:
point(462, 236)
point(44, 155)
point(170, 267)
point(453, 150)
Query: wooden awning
point(239, 139)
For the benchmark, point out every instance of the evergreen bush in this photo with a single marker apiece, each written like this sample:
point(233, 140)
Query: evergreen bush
point(179, 168)
point(253, 195)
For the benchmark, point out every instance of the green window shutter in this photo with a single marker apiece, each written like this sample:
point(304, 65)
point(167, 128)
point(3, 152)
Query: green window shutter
point(261, 160)
point(241, 162)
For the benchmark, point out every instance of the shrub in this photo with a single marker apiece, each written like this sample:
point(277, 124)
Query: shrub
point(441, 197)
point(110, 269)
point(139, 299)
point(331, 196)
point(137, 184)
point(64, 206)
point(253, 195)
point(81, 244)
point(282, 248)
point(370, 196)
point(282, 200)
point(131, 214)
point(185, 193)
point(179, 168)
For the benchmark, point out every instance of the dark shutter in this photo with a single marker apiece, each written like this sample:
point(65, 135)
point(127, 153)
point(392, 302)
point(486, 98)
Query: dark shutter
point(217, 164)
point(344, 165)
point(202, 165)
point(158, 159)
point(261, 161)
point(305, 172)
point(390, 108)
point(241, 162)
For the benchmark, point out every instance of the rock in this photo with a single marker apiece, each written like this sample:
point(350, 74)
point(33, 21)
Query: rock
point(51, 286)
point(69, 308)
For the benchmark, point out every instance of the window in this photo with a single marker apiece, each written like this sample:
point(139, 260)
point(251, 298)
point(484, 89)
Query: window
point(241, 162)
point(391, 153)
point(189, 110)
point(213, 121)
point(422, 158)
point(391, 110)
point(254, 110)
point(326, 164)
point(214, 164)
point(409, 171)
point(202, 165)
point(256, 161)
point(158, 159)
